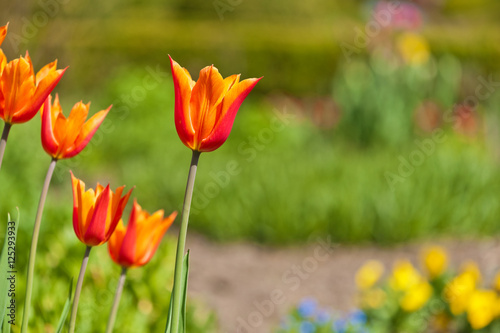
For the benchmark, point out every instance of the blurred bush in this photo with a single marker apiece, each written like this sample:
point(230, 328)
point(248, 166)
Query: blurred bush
point(296, 45)
point(436, 300)
point(377, 175)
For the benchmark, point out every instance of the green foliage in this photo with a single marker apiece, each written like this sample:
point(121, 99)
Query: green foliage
point(8, 279)
point(379, 98)
point(66, 308)
point(145, 299)
point(184, 287)
point(279, 179)
point(146, 295)
point(296, 45)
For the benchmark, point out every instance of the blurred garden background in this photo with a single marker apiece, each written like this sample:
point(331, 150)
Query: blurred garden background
point(376, 124)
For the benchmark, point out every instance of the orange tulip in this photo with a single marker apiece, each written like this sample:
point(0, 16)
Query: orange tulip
point(205, 110)
point(3, 32)
point(65, 137)
point(135, 244)
point(3, 59)
point(96, 213)
point(22, 93)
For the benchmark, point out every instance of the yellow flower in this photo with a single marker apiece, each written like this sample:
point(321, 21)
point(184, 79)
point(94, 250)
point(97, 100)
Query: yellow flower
point(471, 268)
point(369, 274)
point(496, 282)
point(497, 308)
point(415, 291)
point(416, 297)
point(459, 291)
point(404, 276)
point(435, 261)
point(413, 48)
point(482, 308)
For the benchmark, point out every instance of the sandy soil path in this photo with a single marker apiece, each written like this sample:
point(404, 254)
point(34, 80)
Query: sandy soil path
point(251, 287)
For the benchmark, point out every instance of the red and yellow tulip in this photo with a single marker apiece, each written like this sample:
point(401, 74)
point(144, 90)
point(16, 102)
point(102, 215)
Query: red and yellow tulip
point(65, 137)
point(135, 244)
point(3, 32)
point(3, 59)
point(205, 109)
point(96, 212)
point(22, 93)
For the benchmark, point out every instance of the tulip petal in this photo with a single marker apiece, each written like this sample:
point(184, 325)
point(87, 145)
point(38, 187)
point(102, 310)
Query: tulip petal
point(230, 105)
point(128, 248)
point(147, 246)
point(3, 32)
point(117, 206)
point(146, 231)
point(3, 58)
point(42, 91)
point(96, 231)
point(230, 81)
point(86, 134)
point(67, 134)
point(116, 198)
point(49, 141)
point(76, 183)
point(122, 204)
point(84, 202)
point(86, 206)
point(207, 94)
point(3, 61)
point(182, 86)
point(17, 86)
point(115, 242)
point(42, 73)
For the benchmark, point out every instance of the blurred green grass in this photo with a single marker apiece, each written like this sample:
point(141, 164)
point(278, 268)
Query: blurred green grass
point(280, 179)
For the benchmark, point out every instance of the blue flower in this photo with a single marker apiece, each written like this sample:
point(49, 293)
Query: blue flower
point(307, 307)
point(357, 317)
point(340, 326)
point(322, 317)
point(307, 327)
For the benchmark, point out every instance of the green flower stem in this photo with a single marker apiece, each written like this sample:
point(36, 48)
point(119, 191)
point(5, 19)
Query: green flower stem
point(78, 290)
point(34, 242)
point(3, 141)
point(116, 301)
point(181, 244)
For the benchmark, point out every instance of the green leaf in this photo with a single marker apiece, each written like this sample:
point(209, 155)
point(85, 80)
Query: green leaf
point(66, 308)
point(182, 327)
point(168, 329)
point(5, 327)
point(7, 269)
